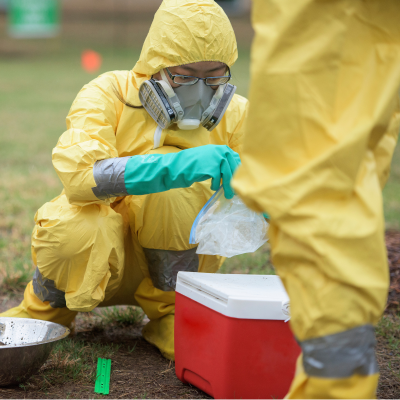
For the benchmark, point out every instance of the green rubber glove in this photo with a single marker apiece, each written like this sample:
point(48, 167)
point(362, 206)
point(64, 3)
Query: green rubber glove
point(160, 172)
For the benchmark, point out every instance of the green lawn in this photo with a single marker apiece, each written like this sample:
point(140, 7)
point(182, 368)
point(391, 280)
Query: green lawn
point(37, 90)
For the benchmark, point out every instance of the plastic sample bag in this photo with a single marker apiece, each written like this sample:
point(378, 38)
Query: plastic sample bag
point(228, 227)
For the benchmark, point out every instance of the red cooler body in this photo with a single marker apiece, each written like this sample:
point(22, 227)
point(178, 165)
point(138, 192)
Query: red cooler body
point(232, 339)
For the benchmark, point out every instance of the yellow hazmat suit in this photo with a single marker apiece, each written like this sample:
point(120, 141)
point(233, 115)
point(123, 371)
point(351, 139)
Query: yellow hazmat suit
point(91, 252)
point(327, 72)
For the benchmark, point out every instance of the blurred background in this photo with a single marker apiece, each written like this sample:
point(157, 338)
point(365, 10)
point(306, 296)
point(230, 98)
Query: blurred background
point(48, 50)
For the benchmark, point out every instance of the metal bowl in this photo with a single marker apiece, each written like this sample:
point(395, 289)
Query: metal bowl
point(25, 345)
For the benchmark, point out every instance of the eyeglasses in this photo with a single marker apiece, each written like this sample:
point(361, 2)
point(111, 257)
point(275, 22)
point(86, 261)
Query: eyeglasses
point(186, 80)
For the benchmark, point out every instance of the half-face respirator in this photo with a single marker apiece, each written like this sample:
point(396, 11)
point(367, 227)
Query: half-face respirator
point(188, 106)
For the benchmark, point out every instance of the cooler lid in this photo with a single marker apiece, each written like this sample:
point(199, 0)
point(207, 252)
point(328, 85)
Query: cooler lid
point(237, 295)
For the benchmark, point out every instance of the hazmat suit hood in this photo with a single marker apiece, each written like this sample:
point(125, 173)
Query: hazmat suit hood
point(184, 32)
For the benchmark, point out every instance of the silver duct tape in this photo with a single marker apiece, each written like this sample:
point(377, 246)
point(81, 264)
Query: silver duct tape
point(341, 355)
point(164, 266)
point(109, 176)
point(45, 290)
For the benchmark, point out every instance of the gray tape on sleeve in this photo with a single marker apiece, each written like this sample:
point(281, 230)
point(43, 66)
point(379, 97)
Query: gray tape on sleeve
point(341, 355)
point(164, 266)
point(109, 177)
point(45, 290)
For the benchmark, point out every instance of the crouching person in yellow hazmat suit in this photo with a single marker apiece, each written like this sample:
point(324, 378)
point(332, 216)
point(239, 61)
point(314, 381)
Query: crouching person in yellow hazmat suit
point(117, 234)
point(329, 73)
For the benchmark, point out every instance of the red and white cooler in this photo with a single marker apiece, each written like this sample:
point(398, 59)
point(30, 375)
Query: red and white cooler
point(231, 338)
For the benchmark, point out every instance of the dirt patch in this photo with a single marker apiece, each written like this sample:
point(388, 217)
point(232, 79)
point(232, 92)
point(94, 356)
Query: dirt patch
point(138, 370)
point(388, 348)
point(9, 301)
point(144, 373)
point(389, 366)
point(393, 247)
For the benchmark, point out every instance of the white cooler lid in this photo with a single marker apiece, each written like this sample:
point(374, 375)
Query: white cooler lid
point(237, 295)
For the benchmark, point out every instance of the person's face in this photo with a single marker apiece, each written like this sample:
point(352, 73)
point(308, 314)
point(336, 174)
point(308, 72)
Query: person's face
point(202, 69)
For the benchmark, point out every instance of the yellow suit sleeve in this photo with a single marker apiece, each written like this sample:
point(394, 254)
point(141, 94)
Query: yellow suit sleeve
point(90, 136)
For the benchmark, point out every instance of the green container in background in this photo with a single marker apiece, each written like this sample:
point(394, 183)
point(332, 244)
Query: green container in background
point(33, 18)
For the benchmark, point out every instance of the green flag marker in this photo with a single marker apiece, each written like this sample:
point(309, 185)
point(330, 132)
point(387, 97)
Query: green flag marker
point(102, 385)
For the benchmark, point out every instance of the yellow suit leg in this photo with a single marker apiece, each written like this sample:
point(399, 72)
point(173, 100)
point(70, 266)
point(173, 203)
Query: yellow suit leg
point(79, 253)
point(355, 387)
point(325, 77)
point(159, 306)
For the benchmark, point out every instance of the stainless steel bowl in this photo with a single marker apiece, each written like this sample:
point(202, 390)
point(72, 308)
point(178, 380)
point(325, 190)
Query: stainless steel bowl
point(25, 345)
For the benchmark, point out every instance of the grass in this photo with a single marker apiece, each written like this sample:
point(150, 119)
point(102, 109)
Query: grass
point(71, 361)
point(122, 316)
point(388, 332)
point(389, 329)
point(74, 360)
point(15, 279)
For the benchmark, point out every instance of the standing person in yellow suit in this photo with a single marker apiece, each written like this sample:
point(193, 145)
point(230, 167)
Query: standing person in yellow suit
point(322, 126)
point(117, 234)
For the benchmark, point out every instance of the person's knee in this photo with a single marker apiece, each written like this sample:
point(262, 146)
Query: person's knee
point(79, 253)
point(64, 231)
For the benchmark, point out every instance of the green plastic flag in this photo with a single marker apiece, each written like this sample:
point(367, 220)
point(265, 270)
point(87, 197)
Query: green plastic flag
point(102, 385)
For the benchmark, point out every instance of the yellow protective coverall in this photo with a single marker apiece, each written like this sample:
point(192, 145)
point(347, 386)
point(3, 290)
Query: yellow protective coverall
point(92, 252)
point(328, 73)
